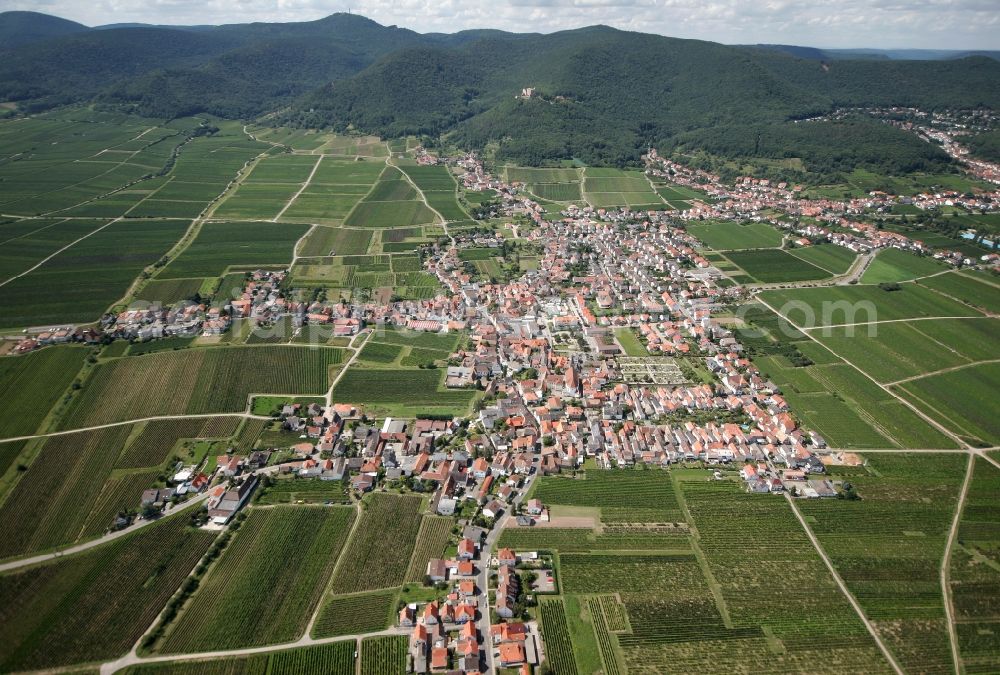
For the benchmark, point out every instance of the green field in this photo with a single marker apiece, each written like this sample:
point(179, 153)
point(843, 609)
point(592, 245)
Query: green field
point(380, 655)
point(908, 349)
point(359, 613)
point(169, 291)
point(727, 236)
point(963, 400)
point(268, 581)
point(405, 392)
point(650, 498)
point(239, 244)
point(887, 547)
point(893, 264)
point(33, 383)
point(775, 265)
point(630, 342)
point(81, 282)
point(216, 379)
point(379, 553)
point(324, 241)
point(831, 306)
point(975, 572)
point(336, 658)
point(433, 538)
point(830, 257)
point(95, 605)
point(978, 291)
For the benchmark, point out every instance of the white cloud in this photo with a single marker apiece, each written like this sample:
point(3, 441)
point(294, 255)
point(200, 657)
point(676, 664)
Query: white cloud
point(941, 24)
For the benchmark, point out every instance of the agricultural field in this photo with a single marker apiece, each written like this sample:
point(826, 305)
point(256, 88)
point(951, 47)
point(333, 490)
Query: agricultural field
point(775, 266)
point(169, 291)
point(641, 537)
point(401, 391)
point(977, 291)
point(834, 259)
point(303, 491)
point(893, 264)
point(81, 282)
point(32, 384)
point(622, 496)
point(379, 552)
point(888, 546)
point(902, 350)
point(728, 236)
point(440, 189)
point(359, 613)
point(848, 409)
point(962, 400)
point(432, 540)
point(246, 245)
point(268, 581)
point(328, 241)
point(975, 571)
point(336, 658)
point(613, 188)
point(392, 202)
point(555, 632)
point(836, 305)
point(95, 605)
point(214, 379)
point(380, 655)
point(759, 535)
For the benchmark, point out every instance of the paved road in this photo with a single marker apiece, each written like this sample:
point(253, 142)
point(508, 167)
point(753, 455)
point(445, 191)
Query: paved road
point(843, 588)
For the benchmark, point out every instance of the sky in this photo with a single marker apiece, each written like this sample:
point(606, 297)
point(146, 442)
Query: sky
point(892, 24)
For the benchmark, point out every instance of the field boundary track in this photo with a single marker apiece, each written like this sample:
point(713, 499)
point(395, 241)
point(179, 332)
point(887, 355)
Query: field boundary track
point(922, 415)
point(949, 611)
point(843, 587)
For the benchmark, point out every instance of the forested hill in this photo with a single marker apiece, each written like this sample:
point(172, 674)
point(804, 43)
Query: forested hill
point(602, 95)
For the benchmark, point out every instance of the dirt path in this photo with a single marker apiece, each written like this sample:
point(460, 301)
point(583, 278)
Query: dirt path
point(136, 421)
point(949, 611)
point(354, 356)
point(843, 587)
point(100, 541)
point(53, 255)
point(927, 418)
point(302, 189)
point(943, 370)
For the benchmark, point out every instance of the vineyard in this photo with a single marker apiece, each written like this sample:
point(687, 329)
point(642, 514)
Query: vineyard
point(605, 641)
point(379, 553)
point(888, 547)
point(581, 540)
point(558, 645)
point(435, 533)
point(381, 655)
point(33, 383)
point(50, 503)
point(622, 496)
point(336, 658)
point(303, 490)
point(975, 579)
point(153, 444)
point(408, 391)
point(760, 537)
point(94, 605)
point(265, 586)
point(350, 614)
point(198, 381)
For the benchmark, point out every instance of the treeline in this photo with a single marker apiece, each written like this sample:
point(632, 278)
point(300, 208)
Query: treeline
point(985, 145)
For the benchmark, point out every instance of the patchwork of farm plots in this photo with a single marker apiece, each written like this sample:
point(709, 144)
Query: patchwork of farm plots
point(549, 185)
point(729, 236)
point(611, 188)
point(830, 396)
point(888, 547)
point(402, 274)
point(946, 367)
point(393, 202)
point(660, 601)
